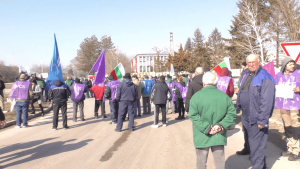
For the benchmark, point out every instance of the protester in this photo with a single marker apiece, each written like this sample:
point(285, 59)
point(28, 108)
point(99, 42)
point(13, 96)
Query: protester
point(42, 83)
point(185, 79)
point(178, 90)
point(59, 94)
point(22, 92)
point(2, 119)
point(169, 78)
point(171, 103)
point(2, 87)
point(110, 93)
point(194, 87)
point(244, 67)
point(47, 87)
point(225, 83)
point(146, 88)
point(126, 94)
point(69, 81)
point(37, 96)
point(98, 92)
point(289, 107)
point(137, 104)
point(190, 78)
point(90, 84)
point(256, 100)
point(159, 95)
point(77, 96)
point(210, 122)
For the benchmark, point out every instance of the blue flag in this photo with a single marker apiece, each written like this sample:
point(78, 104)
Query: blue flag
point(55, 72)
point(100, 64)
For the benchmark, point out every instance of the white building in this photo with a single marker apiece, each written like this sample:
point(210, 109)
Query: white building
point(145, 62)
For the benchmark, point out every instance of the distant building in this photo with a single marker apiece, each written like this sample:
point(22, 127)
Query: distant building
point(145, 62)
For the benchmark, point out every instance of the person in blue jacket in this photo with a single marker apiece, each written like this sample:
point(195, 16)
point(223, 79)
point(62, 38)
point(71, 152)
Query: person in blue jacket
point(256, 100)
point(126, 95)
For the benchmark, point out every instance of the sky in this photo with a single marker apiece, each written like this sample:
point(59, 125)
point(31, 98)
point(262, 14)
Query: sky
point(27, 27)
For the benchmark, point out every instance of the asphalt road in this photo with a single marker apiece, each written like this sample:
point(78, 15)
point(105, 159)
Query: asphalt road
point(94, 144)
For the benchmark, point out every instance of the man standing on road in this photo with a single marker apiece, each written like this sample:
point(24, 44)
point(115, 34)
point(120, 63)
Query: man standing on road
point(2, 119)
point(256, 99)
point(69, 82)
point(289, 107)
point(98, 92)
point(170, 103)
point(210, 122)
point(2, 87)
point(77, 96)
point(137, 104)
point(40, 81)
point(194, 87)
point(59, 94)
point(22, 92)
point(146, 88)
point(111, 94)
point(127, 95)
point(159, 95)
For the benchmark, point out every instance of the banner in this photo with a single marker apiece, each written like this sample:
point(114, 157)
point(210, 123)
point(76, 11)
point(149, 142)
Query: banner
point(55, 72)
point(100, 65)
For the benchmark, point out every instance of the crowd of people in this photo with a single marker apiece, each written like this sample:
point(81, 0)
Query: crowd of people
point(203, 95)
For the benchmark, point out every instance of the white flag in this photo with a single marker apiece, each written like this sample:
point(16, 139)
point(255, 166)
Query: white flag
point(22, 69)
point(172, 73)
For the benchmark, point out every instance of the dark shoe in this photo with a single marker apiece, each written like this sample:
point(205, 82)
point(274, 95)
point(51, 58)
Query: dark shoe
point(32, 113)
point(293, 157)
point(178, 118)
point(135, 115)
point(182, 117)
point(243, 152)
point(104, 117)
point(286, 154)
point(82, 119)
point(66, 127)
point(117, 130)
point(139, 115)
point(54, 128)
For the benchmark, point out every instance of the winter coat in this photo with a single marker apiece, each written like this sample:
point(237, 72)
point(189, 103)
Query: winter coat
point(83, 95)
point(59, 92)
point(41, 82)
point(138, 88)
point(160, 93)
point(208, 107)
point(178, 94)
point(98, 91)
point(69, 82)
point(85, 82)
point(230, 88)
point(2, 117)
point(30, 93)
point(2, 85)
point(261, 97)
point(185, 80)
point(127, 91)
point(146, 87)
point(37, 90)
point(194, 87)
point(169, 80)
point(89, 84)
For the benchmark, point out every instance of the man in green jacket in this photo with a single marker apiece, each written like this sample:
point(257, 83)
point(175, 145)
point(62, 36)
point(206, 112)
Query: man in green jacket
point(69, 82)
point(212, 113)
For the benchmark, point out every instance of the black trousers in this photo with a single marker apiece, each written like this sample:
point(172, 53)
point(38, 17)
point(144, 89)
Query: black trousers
point(163, 113)
point(75, 108)
point(180, 107)
point(99, 103)
point(63, 108)
point(146, 105)
point(32, 107)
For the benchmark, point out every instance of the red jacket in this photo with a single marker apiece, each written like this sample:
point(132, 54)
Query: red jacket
point(98, 91)
point(230, 89)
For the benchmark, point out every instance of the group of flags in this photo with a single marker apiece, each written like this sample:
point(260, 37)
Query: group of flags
point(55, 72)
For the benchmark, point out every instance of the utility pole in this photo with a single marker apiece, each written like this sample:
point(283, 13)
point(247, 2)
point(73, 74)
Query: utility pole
point(171, 44)
point(42, 64)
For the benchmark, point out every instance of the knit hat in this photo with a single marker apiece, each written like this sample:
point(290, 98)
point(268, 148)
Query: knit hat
point(127, 76)
point(110, 77)
point(77, 80)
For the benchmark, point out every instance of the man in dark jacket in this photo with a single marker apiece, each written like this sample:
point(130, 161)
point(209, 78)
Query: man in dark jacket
point(159, 95)
point(85, 82)
point(90, 84)
point(59, 94)
point(256, 99)
point(77, 96)
point(194, 86)
point(126, 94)
point(2, 119)
point(2, 87)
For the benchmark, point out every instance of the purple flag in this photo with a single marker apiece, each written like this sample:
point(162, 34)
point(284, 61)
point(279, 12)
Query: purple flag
point(270, 68)
point(97, 63)
point(100, 76)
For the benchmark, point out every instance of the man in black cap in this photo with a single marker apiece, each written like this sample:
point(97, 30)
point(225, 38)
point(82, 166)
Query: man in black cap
point(159, 95)
point(110, 93)
point(126, 94)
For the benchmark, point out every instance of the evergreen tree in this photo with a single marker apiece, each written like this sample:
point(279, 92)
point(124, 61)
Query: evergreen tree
point(216, 45)
point(180, 59)
point(198, 38)
point(188, 45)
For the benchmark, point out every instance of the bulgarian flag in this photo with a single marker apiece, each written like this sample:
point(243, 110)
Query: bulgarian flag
point(118, 71)
point(218, 68)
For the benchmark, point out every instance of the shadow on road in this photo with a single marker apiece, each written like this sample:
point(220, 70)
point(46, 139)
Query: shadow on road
point(41, 151)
